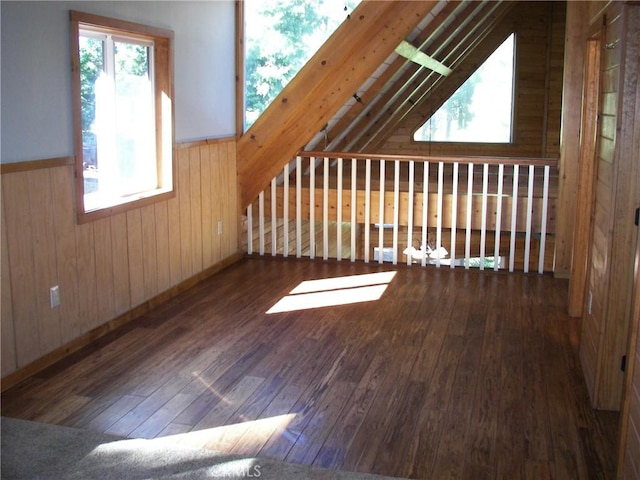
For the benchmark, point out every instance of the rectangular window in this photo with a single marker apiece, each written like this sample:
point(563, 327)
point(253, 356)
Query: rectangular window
point(123, 114)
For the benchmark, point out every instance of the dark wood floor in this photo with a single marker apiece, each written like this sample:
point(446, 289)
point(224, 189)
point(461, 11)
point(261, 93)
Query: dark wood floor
point(450, 374)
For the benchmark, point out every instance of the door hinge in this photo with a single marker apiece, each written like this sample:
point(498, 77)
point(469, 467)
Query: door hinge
point(623, 363)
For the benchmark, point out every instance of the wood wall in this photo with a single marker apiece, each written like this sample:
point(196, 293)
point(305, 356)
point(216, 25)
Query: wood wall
point(539, 28)
point(617, 194)
point(105, 268)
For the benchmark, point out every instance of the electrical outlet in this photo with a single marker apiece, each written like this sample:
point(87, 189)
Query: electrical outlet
point(219, 227)
point(54, 296)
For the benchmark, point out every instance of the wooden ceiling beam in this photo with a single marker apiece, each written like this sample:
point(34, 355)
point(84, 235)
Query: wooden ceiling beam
point(384, 88)
point(407, 83)
point(355, 50)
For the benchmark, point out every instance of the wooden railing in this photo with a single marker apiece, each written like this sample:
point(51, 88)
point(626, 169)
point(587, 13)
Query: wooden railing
point(434, 211)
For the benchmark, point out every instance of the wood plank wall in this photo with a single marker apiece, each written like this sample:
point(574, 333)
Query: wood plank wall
point(109, 267)
point(539, 27)
point(617, 194)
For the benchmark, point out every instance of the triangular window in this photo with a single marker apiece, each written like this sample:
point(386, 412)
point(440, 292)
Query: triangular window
point(481, 110)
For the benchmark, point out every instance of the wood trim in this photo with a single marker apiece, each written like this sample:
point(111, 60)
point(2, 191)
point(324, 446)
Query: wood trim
point(240, 70)
point(538, 162)
point(93, 335)
point(569, 164)
point(119, 25)
point(31, 165)
point(586, 182)
point(204, 142)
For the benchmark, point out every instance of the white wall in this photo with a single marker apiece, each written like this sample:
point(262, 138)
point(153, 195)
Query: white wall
point(36, 114)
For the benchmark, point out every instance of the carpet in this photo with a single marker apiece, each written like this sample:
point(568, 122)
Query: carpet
point(40, 451)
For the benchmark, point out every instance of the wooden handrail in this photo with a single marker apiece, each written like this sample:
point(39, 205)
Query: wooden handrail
point(526, 161)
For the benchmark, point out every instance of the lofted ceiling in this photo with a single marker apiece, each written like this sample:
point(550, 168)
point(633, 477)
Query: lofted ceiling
point(358, 90)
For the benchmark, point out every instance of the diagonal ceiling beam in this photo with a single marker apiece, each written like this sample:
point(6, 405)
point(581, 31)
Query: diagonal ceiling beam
point(323, 85)
point(378, 93)
point(402, 85)
point(410, 52)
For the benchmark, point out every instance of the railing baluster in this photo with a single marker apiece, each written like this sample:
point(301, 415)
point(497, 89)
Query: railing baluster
point(250, 229)
point(396, 208)
point(439, 212)
point(339, 212)
point(312, 207)
point(467, 241)
point(410, 212)
point(367, 209)
point(261, 221)
point(325, 209)
point(454, 215)
point(496, 249)
point(514, 217)
point(543, 224)
point(527, 242)
point(381, 213)
point(332, 197)
point(425, 211)
point(274, 220)
point(354, 176)
point(483, 219)
point(285, 210)
point(298, 207)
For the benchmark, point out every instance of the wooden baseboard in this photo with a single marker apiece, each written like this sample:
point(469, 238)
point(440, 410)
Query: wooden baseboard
point(58, 354)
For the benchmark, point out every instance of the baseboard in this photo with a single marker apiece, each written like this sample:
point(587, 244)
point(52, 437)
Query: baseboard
point(60, 353)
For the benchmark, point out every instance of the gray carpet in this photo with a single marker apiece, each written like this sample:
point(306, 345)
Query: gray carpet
point(33, 450)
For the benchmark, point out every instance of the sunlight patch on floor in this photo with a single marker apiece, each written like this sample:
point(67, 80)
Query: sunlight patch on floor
point(329, 292)
point(237, 437)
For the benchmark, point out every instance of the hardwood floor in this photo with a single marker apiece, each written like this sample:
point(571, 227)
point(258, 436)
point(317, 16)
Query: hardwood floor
point(449, 374)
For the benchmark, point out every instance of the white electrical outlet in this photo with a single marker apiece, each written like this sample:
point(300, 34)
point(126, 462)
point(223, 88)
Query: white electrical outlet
point(219, 227)
point(54, 296)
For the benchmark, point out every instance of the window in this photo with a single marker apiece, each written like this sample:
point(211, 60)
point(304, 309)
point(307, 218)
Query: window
point(280, 37)
point(481, 110)
point(123, 127)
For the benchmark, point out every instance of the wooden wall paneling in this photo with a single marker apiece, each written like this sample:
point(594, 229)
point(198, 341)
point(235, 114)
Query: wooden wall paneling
point(629, 445)
point(66, 250)
point(19, 227)
point(626, 198)
point(105, 284)
point(196, 209)
point(184, 196)
point(208, 223)
point(175, 239)
point(149, 250)
point(120, 256)
point(44, 252)
point(87, 292)
point(8, 346)
point(572, 93)
point(163, 259)
point(230, 202)
point(136, 252)
point(216, 199)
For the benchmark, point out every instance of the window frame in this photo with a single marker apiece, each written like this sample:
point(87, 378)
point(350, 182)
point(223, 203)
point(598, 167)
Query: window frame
point(162, 40)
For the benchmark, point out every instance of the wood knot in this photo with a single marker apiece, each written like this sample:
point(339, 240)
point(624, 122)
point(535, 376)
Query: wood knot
point(285, 100)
